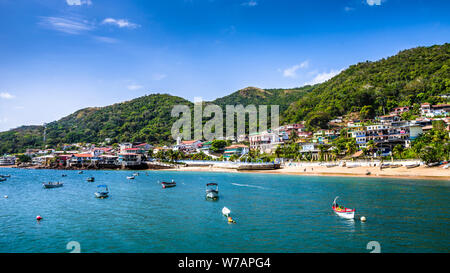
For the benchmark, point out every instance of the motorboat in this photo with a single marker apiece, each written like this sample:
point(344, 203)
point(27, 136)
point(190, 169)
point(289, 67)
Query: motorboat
point(168, 184)
point(51, 185)
point(90, 179)
point(2, 179)
point(135, 174)
point(212, 191)
point(343, 211)
point(131, 177)
point(64, 175)
point(102, 192)
point(5, 175)
point(80, 172)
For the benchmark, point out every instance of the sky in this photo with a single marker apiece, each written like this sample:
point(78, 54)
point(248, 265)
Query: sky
point(59, 56)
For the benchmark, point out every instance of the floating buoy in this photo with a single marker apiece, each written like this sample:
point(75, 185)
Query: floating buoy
point(363, 219)
point(39, 218)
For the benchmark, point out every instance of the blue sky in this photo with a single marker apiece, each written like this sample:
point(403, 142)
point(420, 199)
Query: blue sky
point(58, 56)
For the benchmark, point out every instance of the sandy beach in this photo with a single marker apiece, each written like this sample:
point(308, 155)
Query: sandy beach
point(422, 172)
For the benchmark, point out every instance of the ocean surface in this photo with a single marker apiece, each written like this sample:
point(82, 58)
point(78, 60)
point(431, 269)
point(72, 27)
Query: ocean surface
point(274, 213)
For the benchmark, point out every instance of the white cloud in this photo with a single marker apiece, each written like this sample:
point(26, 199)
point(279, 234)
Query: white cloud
point(158, 76)
point(78, 2)
point(323, 77)
point(373, 2)
point(251, 3)
point(134, 87)
point(120, 23)
point(291, 72)
point(3, 120)
point(66, 25)
point(6, 96)
point(106, 39)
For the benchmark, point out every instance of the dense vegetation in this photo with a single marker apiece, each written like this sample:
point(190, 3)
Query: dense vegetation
point(374, 88)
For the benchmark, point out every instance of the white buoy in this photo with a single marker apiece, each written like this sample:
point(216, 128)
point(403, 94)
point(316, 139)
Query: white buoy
point(363, 219)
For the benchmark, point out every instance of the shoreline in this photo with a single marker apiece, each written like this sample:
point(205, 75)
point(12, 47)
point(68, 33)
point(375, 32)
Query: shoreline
point(421, 172)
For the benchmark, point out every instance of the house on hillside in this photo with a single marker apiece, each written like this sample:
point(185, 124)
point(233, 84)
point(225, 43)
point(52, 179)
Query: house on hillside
point(236, 149)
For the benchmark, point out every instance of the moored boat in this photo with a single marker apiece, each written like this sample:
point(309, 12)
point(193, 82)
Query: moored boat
point(2, 179)
point(51, 185)
point(168, 184)
point(342, 211)
point(212, 191)
point(102, 193)
point(90, 179)
point(130, 177)
point(5, 175)
point(80, 172)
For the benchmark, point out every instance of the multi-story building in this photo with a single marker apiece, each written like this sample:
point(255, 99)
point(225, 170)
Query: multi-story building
point(266, 141)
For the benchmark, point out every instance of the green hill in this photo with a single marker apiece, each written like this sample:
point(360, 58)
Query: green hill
point(412, 76)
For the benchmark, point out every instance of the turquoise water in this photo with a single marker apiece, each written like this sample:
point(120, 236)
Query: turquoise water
point(274, 213)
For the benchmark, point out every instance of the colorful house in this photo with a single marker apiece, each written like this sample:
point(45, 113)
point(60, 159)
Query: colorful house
point(237, 149)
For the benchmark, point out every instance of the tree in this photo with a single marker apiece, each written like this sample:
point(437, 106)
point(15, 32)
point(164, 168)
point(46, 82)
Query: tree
point(24, 158)
point(367, 112)
point(218, 146)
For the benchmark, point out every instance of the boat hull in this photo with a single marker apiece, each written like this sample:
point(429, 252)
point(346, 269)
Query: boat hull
point(212, 194)
point(101, 195)
point(52, 186)
point(345, 214)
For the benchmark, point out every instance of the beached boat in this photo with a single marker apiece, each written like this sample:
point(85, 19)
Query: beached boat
point(395, 166)
point(412, 166)
point(51, 185)
point(168, 184)
point(102, 193)
point(212, 191)
point(342, 211)
point(130, 177)
point(433, 164)
point(90, 179)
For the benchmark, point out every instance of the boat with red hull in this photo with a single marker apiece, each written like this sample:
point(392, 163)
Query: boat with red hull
point(343, 211)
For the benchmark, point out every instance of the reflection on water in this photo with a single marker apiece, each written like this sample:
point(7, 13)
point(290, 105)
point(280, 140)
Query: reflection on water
point(274, 213)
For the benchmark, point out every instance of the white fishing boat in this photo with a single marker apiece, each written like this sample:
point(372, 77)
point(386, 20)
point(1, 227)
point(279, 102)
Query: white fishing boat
point(102, 193)
point(226, 211)
point(343, 211)
point(130, 177)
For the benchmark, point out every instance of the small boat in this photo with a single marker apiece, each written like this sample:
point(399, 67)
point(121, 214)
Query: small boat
point(2, 179)
point(64, 175)
point(395, 166)
point(130, 177)
point(135, 174)
point(168, 184)
point(226, 211)
point(432, 164)
point(368, 172)
point(342, 211)
point(412, 166)
point(80, 172)
point(5, 175)
point(212, 191)
point(90, 179)
point(51, 185)
point(102, 193)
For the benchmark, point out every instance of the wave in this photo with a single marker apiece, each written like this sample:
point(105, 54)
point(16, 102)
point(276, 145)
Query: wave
point(247, 185)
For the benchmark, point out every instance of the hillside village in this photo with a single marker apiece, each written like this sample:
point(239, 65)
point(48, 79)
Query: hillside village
point(384, 136)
